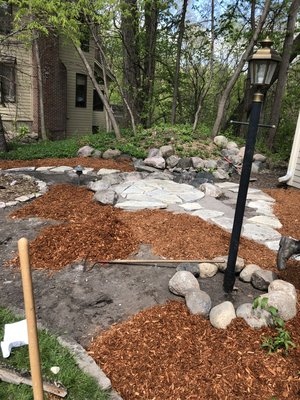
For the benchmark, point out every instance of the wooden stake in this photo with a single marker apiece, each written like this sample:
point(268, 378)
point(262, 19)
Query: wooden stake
point(33, 344)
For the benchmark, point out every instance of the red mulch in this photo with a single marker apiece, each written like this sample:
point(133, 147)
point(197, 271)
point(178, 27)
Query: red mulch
point(164, 353)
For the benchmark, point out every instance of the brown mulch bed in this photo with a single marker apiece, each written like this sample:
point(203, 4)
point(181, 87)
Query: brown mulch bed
point(163, 352)
point(122, 164)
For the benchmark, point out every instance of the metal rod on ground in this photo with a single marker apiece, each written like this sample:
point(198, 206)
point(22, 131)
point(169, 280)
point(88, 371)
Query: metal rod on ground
point(247, 123)
point(136, 261)
point(33, 344)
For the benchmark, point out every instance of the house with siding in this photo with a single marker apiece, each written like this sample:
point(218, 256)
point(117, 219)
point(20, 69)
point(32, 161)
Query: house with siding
point(71, 105)
point(292, 177)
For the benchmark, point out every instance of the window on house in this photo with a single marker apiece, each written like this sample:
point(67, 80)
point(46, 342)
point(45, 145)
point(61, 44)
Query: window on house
point(7, 82)
point(5, 18)
point(81, 90)
point(97, 102)
point(85, 35)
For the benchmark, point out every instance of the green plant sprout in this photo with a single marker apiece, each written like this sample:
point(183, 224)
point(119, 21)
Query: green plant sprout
point(282, 340)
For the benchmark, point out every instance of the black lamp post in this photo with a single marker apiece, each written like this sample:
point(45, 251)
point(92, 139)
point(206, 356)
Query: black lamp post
point(263, 65)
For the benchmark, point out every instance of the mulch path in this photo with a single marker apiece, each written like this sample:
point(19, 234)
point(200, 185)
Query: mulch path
point(163, 352)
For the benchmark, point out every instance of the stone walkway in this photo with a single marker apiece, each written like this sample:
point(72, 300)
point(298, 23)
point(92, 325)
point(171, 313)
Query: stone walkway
point(136, 191)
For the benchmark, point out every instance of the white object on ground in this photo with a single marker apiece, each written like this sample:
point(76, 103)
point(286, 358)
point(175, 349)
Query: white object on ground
point(15, 335)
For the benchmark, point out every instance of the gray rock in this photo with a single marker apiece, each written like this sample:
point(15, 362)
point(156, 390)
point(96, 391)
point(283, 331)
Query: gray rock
point(248, 271)
point(140, 166)
point(262, 278)
point(172, 161)
point(155, 162)
point(241, 152)
point(222, 164)
point(198, 302)
point(85, 151)
point(256, 167)
point(153, 152)
point(211, 190)
point(167, 151)
point(256, 318)
point(183, 282)
point(222, 263)
point(106, 196)
point(112, 179)
point(197, 162)
point(184, 163)
point(191, 267)
point(259, 157)
point(283, 286)
point(97, 154)
point(285, 304)
point(220, 141)
point(210, 164)
point(231, 145)
point(111, 153)
point(221, 315)
point(98, 186)
point(220, 174)
point(208, 270)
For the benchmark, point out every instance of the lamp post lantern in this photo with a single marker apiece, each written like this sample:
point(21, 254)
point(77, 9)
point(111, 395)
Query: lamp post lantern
point(263, 65)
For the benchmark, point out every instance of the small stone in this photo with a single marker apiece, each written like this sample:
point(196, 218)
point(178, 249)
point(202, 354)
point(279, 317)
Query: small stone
point(208, 270)
point(85, 151)
point(172, 161)
point(283, 286)
point(97, 154)
point(211, 190)
point(259, 157)
point(184, 163)
point(167, 151)
point(191, 267)
point(210, 164)
point(220, 141)
point(107, 171)
point(182, 282)
point(98, 185)
point(22, 199)
point(55, 370)
point(197, 162)
point(221, 315)
point(231, 145)
point(220, 174)
point(155, 162)
point(198, 302)
point(110, 153)
point(61, 170)
point(222, 263)
point(153, 153)
point(284, 302)
point(106, 196)
point(2, 204)
point(262, 278)
point(248, 271)
point(256, 318)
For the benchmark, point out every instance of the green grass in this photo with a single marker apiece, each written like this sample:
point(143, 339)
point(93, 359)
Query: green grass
point(78, 385)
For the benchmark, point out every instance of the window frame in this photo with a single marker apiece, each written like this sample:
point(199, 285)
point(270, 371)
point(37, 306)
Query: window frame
point(6, 13)
point(81, 91)
point(8, 88)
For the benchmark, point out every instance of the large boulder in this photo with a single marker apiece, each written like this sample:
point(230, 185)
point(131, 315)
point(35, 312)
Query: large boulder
point(283, 286)
point(183, 282)
point(256, 318)
point(220, 141)
point(155, 162)
point(248, 271)
point(106, 196)
point(208, 270)
point(221, 315)
point(284, 302)
point(111, 153)
point(262, 278)
point(85, 151)
point(211, 190)
point(198, 302)
point(167, 151)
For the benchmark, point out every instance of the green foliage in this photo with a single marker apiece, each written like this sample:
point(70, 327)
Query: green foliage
point(282, 339)
point(186, 143)
point(78, 385)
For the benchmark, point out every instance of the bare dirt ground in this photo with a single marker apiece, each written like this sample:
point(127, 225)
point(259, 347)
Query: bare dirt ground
point(163, 352)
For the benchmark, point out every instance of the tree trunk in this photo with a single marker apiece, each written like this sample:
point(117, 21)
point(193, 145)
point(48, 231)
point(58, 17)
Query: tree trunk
point(100, 93)
point(178, 57)
point(283, 72)
point(3, 144)
point(41, 89)
point(232, 81)
point(151, 22)
point(131, 61)
point(205, 90)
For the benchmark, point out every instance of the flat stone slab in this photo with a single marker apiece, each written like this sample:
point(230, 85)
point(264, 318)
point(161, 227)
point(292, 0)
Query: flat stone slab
point(260, 233)
point(61, 170)
point(44, 169)
point(272, 222)
point(272, 245)
point(87, 171)
point(250, 190)
point(107, 171)
point(224, 222)
point(262, 206)
point(227, 185)
point(21, 169)
point(260, 196)
point(140, 205)
point(191, 206)
point(207, 214)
